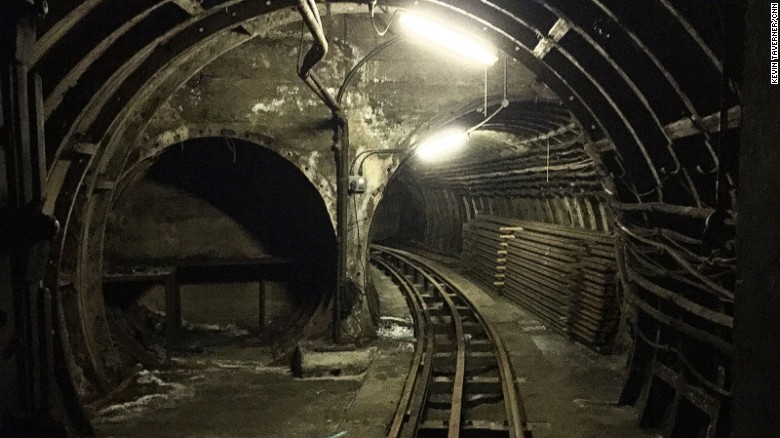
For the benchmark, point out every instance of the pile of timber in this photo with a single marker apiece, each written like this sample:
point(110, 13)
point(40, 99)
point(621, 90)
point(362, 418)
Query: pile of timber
point(484, 250)
point(564, 275)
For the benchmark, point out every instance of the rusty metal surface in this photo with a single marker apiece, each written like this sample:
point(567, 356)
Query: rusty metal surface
point(423, 354)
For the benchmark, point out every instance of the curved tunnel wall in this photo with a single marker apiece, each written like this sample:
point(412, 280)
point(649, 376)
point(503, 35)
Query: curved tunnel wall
point(651, 119)
point(528, 163)
point(263, 193)
point(279, 210)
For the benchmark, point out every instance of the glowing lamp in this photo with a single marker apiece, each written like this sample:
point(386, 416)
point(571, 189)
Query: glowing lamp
point(450, 39)
point(445, 142)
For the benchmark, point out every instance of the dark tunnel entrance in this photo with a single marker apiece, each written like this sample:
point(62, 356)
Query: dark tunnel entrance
point(216, 217)
point(539, 220)
point(523, 210)
point(399, 217)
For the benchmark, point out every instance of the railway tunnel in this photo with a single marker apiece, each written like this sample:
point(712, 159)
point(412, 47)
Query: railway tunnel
point(198, 194)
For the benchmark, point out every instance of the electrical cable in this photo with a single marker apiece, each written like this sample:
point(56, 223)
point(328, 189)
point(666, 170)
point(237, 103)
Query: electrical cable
point(723, 125)
point(373, 152)
point(675, 238)
point(484, 106)
point(670, 349)
point(232, 147)
point(381, 33)
point(722, 293)
point(315, 11)
point(648, 266)
point(300, 48)
point(357, 228)
point(505, 75)
point(548, 161)
point(504, 101)
point(351, 75)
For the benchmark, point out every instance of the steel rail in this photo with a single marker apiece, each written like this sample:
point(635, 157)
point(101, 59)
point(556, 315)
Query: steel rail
point(431, 278)
point(515, 410)
point(454, 423)
point(423, 352)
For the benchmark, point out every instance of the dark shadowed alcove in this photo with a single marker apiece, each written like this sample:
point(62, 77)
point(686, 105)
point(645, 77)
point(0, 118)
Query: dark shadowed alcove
point(219, 201)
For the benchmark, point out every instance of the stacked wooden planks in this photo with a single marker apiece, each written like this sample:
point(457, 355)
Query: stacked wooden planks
point(565, 275)
point(484, 250)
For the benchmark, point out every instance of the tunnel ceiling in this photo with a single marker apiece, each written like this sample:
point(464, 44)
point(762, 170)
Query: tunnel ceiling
point(106, 66)
point(529, 162)
point(531, 149)
point(525, 138)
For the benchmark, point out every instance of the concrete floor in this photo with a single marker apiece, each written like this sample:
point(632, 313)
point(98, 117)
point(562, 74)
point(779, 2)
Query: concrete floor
point(569, 391)
point(231, 391)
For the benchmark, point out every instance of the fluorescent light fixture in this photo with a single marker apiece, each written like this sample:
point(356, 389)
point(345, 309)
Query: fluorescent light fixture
point(459, 43)
point(447, 141)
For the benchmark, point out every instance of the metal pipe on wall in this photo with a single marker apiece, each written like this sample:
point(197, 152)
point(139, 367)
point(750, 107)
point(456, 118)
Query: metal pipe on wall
point(317, 52)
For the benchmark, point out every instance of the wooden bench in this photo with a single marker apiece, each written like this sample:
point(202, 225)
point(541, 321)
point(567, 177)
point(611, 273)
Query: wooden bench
point(173, 273)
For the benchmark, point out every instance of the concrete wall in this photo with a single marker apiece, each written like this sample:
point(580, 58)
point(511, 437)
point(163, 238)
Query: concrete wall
point(252, 92)
point(153, 221)
point(225, 304)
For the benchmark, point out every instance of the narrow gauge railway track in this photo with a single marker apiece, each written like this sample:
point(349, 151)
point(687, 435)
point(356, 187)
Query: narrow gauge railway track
point(460, 383)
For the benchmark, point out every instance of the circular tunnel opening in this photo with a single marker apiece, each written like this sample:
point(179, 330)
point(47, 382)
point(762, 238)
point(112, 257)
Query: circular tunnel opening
point(219, 239)
point(525, 211)
point(530, 162)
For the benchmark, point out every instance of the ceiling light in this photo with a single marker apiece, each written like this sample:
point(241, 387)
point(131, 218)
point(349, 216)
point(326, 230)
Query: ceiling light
point(452, 40)
point(447, 141)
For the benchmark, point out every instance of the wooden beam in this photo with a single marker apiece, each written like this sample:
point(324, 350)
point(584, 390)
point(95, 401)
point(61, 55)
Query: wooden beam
point(103, 184)
point(85, 148)
point(601, 146)
point(711, 124)
point(556, 33)
point(192, 7)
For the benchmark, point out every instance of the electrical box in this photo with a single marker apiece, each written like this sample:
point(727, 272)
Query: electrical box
point(357, 184)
